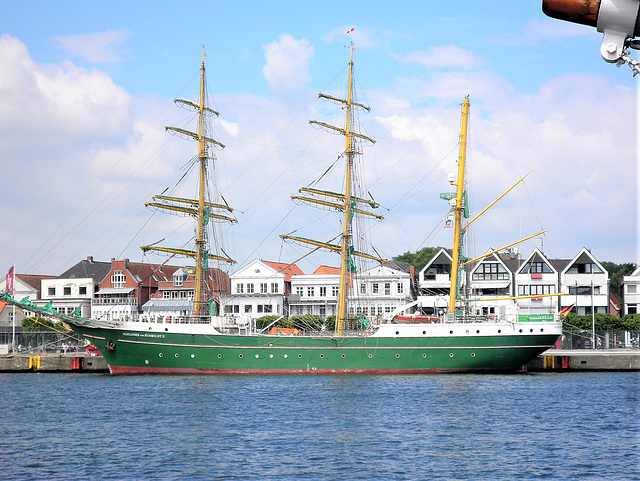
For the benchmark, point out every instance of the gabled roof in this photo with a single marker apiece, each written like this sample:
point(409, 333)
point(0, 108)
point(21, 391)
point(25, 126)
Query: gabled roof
point(537, 256)
point(327, 270)
point(87, 269)
point(398, 266)
point(287, 269)
point(584, 257)
point(441, 257)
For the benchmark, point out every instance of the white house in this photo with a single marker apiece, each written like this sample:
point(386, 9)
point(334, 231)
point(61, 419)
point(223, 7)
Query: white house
point(631, 292)
point(538, 277)
point(587, 283)
point(259, 288)
point(315, 293)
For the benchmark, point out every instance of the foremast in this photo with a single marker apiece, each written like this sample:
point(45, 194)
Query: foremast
point(345, 202)
point(460, 210)
point(199, 208)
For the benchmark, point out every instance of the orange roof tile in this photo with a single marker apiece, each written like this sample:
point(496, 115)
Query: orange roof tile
point(327, 270)
point(287, 268)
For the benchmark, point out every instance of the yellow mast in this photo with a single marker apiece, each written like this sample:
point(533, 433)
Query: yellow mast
point(199, 208)
point(459, 207)
point(345, 274)
point(199, 302)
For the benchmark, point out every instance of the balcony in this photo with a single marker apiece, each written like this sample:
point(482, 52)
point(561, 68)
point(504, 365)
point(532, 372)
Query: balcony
point(111, 301)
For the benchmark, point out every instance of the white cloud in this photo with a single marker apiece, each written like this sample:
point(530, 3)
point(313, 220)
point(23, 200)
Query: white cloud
point(101, 47)
point(287, 64)
point(446, 56)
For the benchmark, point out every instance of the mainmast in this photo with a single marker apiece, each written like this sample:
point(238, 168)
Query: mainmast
point(200, 207)
point(459, 208)
point(345, 202)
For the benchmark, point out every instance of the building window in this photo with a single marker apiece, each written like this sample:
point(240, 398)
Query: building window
point(632, 309)
point(239, 288)
point(363, 288)
point(631, 288)
point(375, 288)
point(536, 290)
point(310, 291)
point(178, 281)
point(174, 294)
point(166, 294)
point(400, 288)
point(274, 287)
point(118, 279)
point(490, 272)
point(51, 291)
point(334, 291)
point(259, 308)
point(387, 288)
point(236, 309)
point(183, 294)
point(248, 308)
point(250, 289)
point(267, 308)
point(82, 290)
point(299, 291)
point(263, 288)
point(580, 290)
point(323, 292)
point(66, 291)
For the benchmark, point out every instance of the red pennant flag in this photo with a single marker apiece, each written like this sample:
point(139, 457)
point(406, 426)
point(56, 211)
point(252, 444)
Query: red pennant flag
point(350, 30)
point(9, 282)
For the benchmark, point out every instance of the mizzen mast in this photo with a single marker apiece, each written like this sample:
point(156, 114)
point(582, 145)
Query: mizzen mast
point(199, 208)
point(459, 206)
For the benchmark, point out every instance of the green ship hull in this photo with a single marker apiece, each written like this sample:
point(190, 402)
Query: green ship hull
point(422, 349)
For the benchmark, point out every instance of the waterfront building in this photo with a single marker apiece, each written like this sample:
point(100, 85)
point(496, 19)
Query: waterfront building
point(631, 292)
point(315, 293)
point(260, 289)
point(586, 282)
point(74, 288)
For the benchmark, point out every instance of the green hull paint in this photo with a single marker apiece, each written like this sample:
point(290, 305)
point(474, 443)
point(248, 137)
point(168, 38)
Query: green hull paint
point(143, 352)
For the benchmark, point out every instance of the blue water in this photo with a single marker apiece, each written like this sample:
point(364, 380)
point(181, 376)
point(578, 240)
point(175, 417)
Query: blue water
point(453, 427)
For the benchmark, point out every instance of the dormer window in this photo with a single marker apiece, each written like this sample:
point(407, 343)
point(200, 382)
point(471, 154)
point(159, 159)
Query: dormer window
point(118, 279)
point(178, 281)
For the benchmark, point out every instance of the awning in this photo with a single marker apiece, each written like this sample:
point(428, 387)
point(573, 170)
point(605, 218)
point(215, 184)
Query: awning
point(116, 290)
point(158, 305)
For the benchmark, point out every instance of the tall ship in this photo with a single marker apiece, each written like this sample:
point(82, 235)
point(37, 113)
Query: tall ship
point(210, 342)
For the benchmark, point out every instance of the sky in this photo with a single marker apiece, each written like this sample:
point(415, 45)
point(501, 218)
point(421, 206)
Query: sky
point(86, 89)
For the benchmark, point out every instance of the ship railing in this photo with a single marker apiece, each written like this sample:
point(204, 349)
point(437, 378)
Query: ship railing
point(101, 301)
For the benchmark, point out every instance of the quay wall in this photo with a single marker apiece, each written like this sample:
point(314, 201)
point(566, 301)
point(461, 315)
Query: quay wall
point(53, 363)
point(586, 360)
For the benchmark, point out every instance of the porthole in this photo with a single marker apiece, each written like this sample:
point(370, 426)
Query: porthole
point(424, 356)
point(424, 333)
point(397, 356)
point(257, 356)
point(343, 356)
point(240, 356)
point(467, 331)
point(286, 356)
point(270, 356)
point(478, 331)
point(450, 332)
point(397, 333)
point(270, 344)
point(149, 327)
point(219, 356)
point(541, 330)
point(160, 355)
point(473, 354)
point(166, 328)
point(370, 356)
point(450, 354)
point(177, 355)
point(193, 356)
point(146, 361)
point(530, 330)
point(299, 356)
point(499, 331)
point(321, 356)
point(520, 331)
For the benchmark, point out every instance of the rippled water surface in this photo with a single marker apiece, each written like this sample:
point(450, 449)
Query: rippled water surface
point(467, 427)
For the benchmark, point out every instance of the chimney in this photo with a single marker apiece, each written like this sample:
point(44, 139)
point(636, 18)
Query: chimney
point(90, 259)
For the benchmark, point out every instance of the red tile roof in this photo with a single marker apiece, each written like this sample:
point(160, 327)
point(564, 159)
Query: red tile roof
point(287, 268)
point(327, 270)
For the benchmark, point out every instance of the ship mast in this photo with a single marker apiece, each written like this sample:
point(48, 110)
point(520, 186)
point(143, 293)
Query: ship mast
point(199, 208)
point(345, 202)
point(459, 209)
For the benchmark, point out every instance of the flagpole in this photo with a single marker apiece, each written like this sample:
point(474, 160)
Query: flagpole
point(13, 285)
